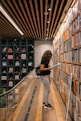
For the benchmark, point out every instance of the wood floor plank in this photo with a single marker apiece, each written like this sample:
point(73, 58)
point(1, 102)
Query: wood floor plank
point(50, 114)
point(36, 109)
point(20, 112)
point(37, 112)
point(60, 116)
point(58, 104)
point(58, 112)
point(40, 101)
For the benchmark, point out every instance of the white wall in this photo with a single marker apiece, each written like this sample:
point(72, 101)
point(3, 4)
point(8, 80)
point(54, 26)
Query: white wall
point(40, 47)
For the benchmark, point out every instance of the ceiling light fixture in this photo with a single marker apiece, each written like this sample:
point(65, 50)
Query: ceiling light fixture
point(47, 29)
point(48, 22)
point(49, 9)
point(10, 20)
point(45, 13)
point(46, 34)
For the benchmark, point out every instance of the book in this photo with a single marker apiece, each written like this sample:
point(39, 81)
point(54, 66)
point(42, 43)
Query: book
point(56, 65)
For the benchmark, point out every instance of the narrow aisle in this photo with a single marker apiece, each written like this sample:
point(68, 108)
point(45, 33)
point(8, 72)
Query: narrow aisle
point(58, 112)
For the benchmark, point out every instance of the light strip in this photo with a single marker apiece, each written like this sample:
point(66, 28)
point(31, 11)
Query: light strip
point(10, 20)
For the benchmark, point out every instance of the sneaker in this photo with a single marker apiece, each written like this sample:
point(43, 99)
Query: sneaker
point(48, 106)
point(43, 104)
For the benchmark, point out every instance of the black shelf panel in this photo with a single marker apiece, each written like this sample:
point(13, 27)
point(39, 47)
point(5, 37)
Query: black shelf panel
point(17, 60)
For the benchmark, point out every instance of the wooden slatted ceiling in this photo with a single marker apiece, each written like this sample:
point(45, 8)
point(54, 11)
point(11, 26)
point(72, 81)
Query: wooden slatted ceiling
point(45, 22)
point(50, 16)
point(57, 18)
point(29, 17)
point(53, 19)
point(9, 29)
point(38, 18)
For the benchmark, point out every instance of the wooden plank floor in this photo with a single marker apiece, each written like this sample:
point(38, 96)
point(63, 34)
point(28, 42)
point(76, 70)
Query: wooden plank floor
point(37, 112)
point(58, 112)
point(36, 108)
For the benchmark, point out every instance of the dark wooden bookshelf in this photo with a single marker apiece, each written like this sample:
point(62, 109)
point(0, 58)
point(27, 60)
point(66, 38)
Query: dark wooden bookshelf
point(16, 61)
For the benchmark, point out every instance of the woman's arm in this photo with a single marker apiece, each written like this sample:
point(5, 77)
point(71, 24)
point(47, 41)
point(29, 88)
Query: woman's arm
point(42, 68)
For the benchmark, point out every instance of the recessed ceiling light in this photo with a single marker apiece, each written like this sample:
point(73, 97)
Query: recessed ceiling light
point(47, 29)
point(48, 22)
point(45, 13)
point(49, 9)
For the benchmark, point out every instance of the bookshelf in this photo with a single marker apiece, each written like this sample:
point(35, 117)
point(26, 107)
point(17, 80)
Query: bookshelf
point(67, 48)
point(16, 61)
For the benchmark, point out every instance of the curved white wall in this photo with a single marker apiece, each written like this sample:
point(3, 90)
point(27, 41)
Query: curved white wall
point(40, 47)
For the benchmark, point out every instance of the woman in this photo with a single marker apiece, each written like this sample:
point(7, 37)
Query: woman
point(45, 76)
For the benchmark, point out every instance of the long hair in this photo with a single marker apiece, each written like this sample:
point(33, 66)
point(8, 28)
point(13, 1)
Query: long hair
point(47, 55)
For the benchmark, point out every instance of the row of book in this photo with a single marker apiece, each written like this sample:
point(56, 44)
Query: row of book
point(71, 68)
point(63, 84)
point(73, 27)
point(73, 11)
point(76, 85)
point(68, 43)
point(65, 77)
point(75, 107)
point(72, 32)
point(75, 102)
point(71, 56)
point(75, 41)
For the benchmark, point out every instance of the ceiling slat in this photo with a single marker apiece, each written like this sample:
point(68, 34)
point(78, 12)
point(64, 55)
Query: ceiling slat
point(41, 13)
point(53, 19)
point(19, 11)
point(34, 18)
point(37, 16)
point(45, 22)
point(26, 23)
point(30, 17)
point(59, 12)
point(50, 14)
